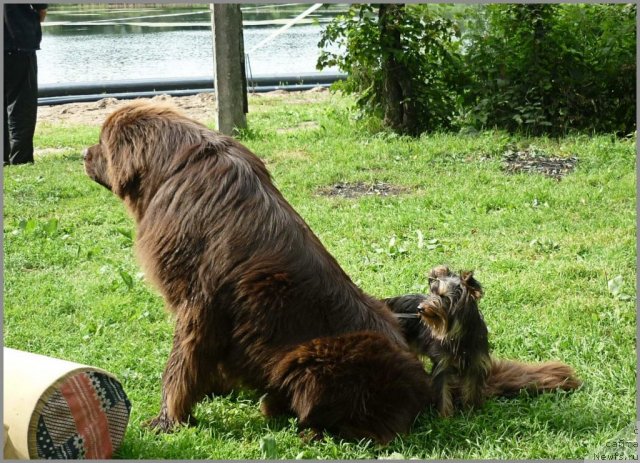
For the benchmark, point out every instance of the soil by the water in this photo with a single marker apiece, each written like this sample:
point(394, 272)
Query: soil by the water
point(201, 107)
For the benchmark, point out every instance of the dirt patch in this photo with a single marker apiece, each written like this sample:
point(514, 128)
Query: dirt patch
point(356, 190)
point(201, 107)
point(535, 161)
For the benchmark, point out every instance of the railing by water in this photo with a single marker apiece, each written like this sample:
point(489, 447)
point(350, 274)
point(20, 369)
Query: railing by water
point(55, 94)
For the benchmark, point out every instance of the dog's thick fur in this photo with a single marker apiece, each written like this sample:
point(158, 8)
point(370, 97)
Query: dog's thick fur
point(258, 300)
point(352, 384)
point(452, 333)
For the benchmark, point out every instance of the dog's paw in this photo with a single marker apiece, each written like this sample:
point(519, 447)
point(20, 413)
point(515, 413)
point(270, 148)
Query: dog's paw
point(162, 424)
point(446, 408)
point(309, 435)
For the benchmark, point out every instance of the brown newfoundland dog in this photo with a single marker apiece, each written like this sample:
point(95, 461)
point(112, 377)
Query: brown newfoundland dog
point(258, 300)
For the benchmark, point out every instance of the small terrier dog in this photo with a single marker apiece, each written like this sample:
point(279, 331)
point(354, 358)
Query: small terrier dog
point(456, 341)
point(449, 328)
point(460, 355)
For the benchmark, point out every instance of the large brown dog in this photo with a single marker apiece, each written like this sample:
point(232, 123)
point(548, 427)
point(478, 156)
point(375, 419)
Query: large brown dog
point(258, 300)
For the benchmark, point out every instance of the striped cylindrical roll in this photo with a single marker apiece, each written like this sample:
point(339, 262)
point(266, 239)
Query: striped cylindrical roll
point(61, 410)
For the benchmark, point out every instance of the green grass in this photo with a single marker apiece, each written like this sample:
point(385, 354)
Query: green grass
point(545, 251)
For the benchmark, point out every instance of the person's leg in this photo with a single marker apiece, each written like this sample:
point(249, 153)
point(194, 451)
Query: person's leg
point(21, 79)
point(11, 75)
point(7, 145)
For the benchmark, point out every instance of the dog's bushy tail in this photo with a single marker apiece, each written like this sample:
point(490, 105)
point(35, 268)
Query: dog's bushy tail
point(508, 377)
point(356, 385)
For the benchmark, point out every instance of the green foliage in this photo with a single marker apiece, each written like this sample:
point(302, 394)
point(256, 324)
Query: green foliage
point(546, 68)
point(534, 68)
point(428, 52)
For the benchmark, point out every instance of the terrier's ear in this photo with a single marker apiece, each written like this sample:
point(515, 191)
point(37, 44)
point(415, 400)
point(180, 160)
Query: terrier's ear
point(436, 273)
point(472, 285)
point(440, 271)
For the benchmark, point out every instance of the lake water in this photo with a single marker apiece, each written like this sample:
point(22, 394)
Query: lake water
point(101, 43)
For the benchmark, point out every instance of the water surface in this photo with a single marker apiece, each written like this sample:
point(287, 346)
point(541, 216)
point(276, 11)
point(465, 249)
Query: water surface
point(99, 43)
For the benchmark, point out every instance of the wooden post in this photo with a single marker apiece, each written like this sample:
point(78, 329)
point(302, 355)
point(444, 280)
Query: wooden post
point(229, 74)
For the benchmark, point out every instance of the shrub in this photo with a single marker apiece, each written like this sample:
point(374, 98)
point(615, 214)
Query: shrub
point(552, 68)
point(426, 57)
point(535, 68)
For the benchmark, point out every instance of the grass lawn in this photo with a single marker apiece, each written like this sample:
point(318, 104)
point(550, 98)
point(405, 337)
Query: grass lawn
point(557, 260)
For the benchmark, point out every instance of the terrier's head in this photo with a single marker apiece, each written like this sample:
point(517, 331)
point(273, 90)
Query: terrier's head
point(451, 304)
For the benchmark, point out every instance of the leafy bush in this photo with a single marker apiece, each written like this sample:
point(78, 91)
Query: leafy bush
point(552, 68)
point(535, 68)
point(427, 53)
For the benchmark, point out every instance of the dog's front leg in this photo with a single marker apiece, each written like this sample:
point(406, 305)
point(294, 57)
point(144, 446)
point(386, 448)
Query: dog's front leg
point(442, 383)
point(192, 369)
point(472, 390)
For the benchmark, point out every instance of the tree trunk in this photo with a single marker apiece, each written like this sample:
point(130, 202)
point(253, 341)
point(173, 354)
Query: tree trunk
point(397, 89)
point(229, 68)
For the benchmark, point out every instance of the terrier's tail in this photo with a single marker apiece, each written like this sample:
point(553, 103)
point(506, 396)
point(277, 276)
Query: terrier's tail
point(508, 377)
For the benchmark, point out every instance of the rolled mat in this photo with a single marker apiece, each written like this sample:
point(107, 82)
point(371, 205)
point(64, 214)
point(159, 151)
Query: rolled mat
point(9, 451)
point(61, 410)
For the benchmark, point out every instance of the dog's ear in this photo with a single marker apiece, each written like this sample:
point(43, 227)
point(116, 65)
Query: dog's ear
point(441, 271)
point(472, 285)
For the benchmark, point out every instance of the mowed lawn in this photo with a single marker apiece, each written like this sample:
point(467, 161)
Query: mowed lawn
point(557, 259)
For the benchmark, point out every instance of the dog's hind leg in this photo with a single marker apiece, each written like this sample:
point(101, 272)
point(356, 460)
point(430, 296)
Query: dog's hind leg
point(274, 404)
point(356, 385)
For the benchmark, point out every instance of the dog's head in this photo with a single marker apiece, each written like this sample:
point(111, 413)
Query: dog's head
point(451, 303)
point(138, 143)
point(95, 165)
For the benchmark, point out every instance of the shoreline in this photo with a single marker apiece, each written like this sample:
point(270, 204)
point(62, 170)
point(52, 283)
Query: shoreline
point(201, 107)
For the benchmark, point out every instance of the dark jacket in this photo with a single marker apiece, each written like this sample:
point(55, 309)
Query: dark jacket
point(22, 31)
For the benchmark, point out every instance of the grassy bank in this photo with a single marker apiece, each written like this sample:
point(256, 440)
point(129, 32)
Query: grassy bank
point(557, 260)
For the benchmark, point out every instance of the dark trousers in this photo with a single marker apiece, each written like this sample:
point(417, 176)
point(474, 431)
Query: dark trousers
point(20, 105)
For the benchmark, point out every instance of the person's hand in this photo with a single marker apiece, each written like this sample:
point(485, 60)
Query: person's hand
point(42, 13)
